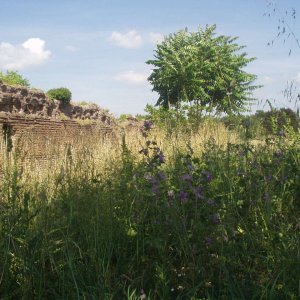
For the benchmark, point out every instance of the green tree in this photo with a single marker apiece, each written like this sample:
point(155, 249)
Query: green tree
point(62, 94)
point(14, 78)
point(202, 70)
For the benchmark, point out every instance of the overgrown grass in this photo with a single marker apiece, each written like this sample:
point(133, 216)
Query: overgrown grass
point(186, 215)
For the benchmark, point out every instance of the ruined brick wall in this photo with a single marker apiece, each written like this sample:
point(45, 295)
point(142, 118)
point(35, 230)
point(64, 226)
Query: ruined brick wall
point(38, 138)
point(37, 127)
point(18, 100)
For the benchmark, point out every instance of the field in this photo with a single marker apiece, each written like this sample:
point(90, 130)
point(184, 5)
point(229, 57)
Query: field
point(206, 213)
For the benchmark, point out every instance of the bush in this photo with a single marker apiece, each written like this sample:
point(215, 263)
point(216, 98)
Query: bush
point(62, 94)
point(274, 121)
point(14, 78)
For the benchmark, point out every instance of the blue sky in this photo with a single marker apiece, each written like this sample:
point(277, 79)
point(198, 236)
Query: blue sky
point(98, 48)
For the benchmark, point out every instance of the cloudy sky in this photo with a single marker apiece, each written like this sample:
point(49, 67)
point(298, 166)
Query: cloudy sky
point(98, 48)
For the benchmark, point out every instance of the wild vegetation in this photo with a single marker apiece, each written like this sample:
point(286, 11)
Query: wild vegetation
point(14, 78)
point(189, 207)
point(201, 72)
point(62, 94)
point(185, 213)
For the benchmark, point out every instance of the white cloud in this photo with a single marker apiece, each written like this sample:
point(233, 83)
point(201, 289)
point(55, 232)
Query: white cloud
point(31, 53)
point(131, 39)
point(156, 37)
point(71, 48)
point(132, 77)
point(297, 78)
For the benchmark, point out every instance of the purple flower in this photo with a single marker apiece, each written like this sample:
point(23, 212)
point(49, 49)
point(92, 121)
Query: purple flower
point(278, 153)
point(147, 125)
point(162, 176)
point(210, 202)
point(183, 196)
point(144, 151)
point(242, 153)
point(281, 133)
point(207, 175)
point(190, 167)
point(161, 158)
point(187, 177)
point(269, 177)
point(197, 191)
point(208, 240)
point(154, 188)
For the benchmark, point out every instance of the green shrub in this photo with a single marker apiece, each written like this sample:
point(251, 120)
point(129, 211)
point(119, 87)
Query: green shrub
point(62, 94)
point(84, 103)
point(123, 117)
point(14, 78)
point(274, 121)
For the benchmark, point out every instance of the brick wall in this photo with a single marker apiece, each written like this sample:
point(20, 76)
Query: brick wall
point(34, 136)
point(37, 127)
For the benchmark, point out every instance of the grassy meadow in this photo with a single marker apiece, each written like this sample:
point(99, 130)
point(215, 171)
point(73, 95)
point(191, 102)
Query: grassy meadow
point(207, 213)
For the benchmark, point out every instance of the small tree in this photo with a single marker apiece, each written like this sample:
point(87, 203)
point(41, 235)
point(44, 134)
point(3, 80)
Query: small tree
point(62, 94)
point(203, 70)
point(14, 78)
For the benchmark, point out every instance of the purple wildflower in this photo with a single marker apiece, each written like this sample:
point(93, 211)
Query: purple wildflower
point(183, 196)
point(281, 133)
point(161, 158)
point(198, 192)
point(242, 153)
point(162, 176)
point(190, 167)
point(187, 177)
point(154, 188)
point(207, 175)
point(144, 151)
point(278, 153)
point(210, 202)
point(269, 177)
point(208, 240)
point(147, 125)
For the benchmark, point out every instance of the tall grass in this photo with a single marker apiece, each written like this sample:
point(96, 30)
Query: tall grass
point(157, 215)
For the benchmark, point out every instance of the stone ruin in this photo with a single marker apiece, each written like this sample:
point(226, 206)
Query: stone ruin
point(21, 101)
point(30, 120)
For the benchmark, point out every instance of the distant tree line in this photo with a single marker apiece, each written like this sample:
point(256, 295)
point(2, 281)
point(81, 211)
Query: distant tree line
point(274, 121)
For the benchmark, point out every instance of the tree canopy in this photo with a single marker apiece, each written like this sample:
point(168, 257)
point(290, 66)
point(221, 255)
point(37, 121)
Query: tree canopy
point(203, 70)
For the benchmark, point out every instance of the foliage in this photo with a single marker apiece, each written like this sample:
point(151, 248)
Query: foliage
point(203, 70)
point(84, 103)
point(223, 224)
point(62, 94)
point(123, 117)
point(14, 78)
point(277, 119)
point(165, 118)
point(140, 117)
point(262, 123)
